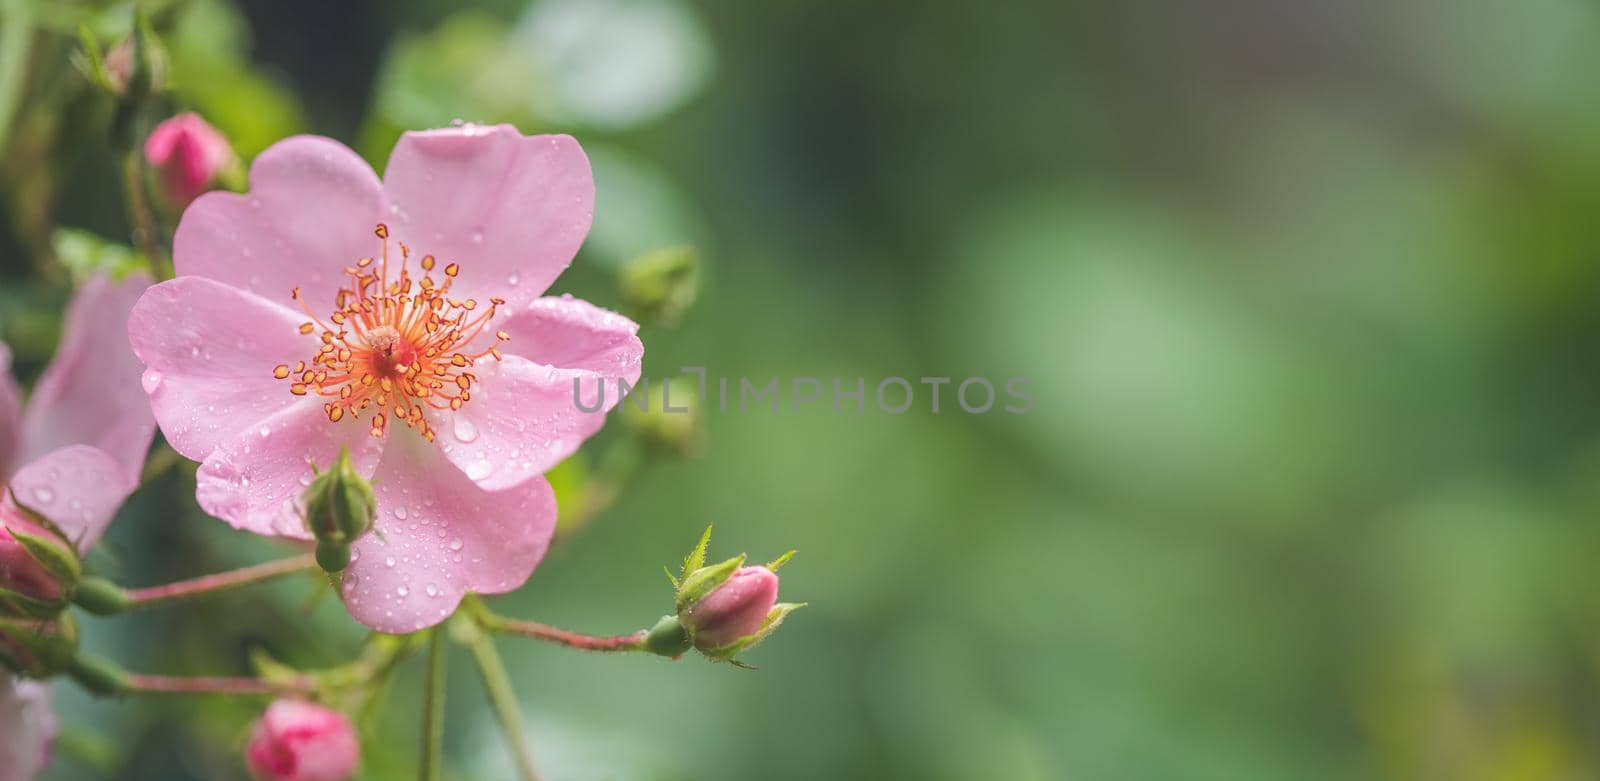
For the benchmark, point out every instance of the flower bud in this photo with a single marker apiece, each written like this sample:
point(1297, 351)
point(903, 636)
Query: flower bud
point(734, 609)
point(723, 608)
point(301, 741)
point(189, 154)
point(38, 649)
point(38, 566)
point(660, 286)
point(671, 419)
point(340, 508)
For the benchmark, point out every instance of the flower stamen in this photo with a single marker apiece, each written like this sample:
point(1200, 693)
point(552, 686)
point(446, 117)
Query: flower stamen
point(394, 347)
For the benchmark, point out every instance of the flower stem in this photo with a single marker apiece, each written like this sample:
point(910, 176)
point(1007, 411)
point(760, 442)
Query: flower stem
point(144, 223)
point(16, 46)
point(221, 581)
point(551, 634)
point(138, 683)
point(430, 765)
point(498, 686)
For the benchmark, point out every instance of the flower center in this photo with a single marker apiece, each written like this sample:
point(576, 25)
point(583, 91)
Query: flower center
point(396, 347)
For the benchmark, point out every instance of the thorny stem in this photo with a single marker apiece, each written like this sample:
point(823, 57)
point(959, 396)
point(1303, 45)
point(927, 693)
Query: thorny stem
point(506, 711)
point(430, 764)
point(222, 581)
point(551, 634)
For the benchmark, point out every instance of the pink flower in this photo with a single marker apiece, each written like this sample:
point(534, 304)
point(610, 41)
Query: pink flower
point(27, 728)
point(189, 153)
point(734, 609)
point(299, 741)
point(83, 437)
point(89, 394)
point(401, 319)
point(82, 440)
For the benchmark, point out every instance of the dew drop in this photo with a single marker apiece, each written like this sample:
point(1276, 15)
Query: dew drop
point(514, 279)
point(151, 381)
point(400, 512)
point(456, 544)
point(432, 590)
point(44, 495)
point(480, 469)
point(465, 431)
point(402, 591)
point(388, 562)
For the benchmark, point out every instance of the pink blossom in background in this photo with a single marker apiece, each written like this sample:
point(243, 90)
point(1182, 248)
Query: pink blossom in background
point(734, 609)
point(403, 319)
point(300, 741)
point(27, 728)
point(189, 154)
point(80, 441)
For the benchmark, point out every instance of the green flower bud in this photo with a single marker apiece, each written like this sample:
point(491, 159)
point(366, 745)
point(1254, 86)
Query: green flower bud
point(671, 420)
point(340, 508)
point(660, 286)
point(38, 649)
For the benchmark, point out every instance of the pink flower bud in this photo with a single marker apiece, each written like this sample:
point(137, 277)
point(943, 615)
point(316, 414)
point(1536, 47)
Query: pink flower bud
point(21, 573)
point(28, 586)
point(734, 609)
point(299, 741)
point(189, 153)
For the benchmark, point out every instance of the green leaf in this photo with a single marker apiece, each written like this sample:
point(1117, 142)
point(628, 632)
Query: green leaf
point(85, 254)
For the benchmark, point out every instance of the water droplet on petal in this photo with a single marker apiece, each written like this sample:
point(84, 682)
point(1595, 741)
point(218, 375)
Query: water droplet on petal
point(402, 591)
point(465, 431)
point(456, 544)
point(44, 495)
point(400, 512)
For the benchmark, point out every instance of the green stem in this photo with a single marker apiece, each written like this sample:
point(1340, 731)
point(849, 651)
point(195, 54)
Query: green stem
point(171, 684)
point(16, 44)
point(430, 765)
point(498, 686)
point(144, 223)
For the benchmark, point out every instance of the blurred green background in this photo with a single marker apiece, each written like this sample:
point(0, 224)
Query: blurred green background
point(1308, 295)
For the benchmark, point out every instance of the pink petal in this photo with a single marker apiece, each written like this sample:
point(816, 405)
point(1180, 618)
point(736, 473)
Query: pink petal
point(310, 212)
point(211, 349)
point(89, 394)
point(439, 536)
point(78, 487)
point(522, 421)
point(27, 728)
point(574, 334)
point(10, 414)
point(511, 209)
point(255, 480)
